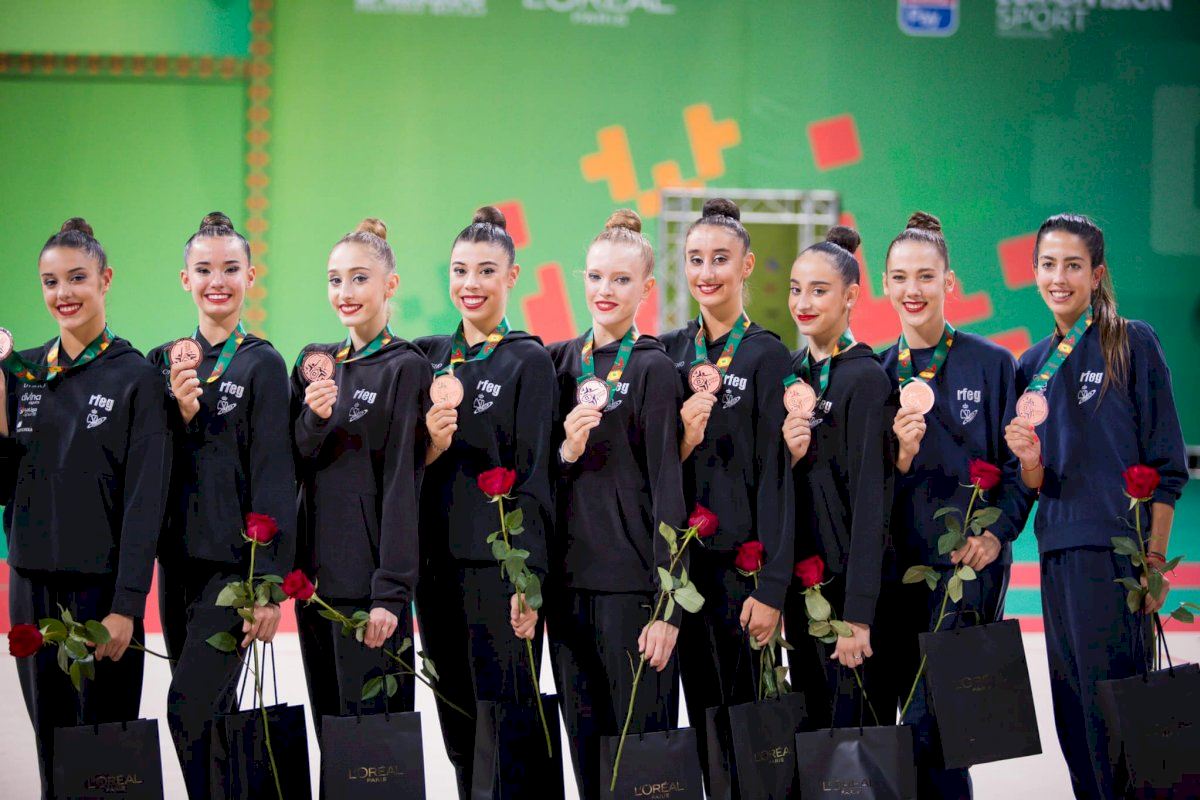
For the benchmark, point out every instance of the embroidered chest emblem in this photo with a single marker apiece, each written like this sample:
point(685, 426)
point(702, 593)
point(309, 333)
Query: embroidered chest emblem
point(970, 399)
point(224, 406)
point(357, 412)
point(1089, 383)
point(98, 404)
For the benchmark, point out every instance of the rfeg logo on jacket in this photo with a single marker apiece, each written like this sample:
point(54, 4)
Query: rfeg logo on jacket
point(1089, 384)
point(968, 401)
point(363, 398)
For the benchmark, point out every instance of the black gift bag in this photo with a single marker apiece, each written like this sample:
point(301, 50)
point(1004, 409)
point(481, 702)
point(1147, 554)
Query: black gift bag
point(113, 759)
point(373, 756)
point(872, 763)
point(661, 764)
point(978, 684)
point(510, 759)
point(242, 766)
point(720, 767)
point(1153, 726)
point(764, 741)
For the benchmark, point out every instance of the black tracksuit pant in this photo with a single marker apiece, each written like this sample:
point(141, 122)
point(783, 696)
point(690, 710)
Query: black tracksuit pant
point(52, 702)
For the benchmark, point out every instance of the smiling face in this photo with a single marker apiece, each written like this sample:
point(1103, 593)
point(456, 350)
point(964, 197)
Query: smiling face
point(818, 297)
point(73, 288)
point(917, 282)
point(480, 280)
point(615, 283)
point(359, 286)
point(217, 275)
point(717, 265)
point(1065, 275)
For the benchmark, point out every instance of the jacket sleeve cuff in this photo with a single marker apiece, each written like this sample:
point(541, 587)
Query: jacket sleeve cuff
point(770, 592)
point(129, 602)
point(1004, 529)
point(860, 609)
point(1165, 496)
point(397, 607)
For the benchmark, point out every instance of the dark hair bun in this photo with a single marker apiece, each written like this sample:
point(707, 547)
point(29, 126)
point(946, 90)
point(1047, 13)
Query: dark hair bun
point(925, 222)
point(77, 224)
point(845, 238)
point(625, 218)
point(216, 219)
point(720, 207)
point(489, 215)
point(373, 226)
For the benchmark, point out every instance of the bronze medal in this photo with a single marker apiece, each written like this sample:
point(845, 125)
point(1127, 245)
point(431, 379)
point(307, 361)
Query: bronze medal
point(446, 390)
point(592, 392)
point(317, 365)
point(704, 377)
point(6, 343)
point(1033, 408)
point(917, 395)
point(185, 353)
point(799, 398)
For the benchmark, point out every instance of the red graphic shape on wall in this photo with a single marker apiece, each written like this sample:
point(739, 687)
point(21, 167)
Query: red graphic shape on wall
point(548, 312)
point(1016, 341)
point(834, 142)
point(514, 220)
point(647, 314)
point(1016, 260)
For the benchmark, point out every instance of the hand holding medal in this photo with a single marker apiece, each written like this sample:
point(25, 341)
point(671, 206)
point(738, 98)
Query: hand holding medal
point(184, 356)
point(6, 344)
point(317, 367)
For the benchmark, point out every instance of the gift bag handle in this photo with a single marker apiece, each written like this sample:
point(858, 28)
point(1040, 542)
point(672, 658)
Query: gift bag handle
point(862, 704)
point(243, 675)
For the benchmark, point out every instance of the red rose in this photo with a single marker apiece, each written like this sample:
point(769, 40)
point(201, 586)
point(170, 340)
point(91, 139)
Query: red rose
point(497, 481)
point(749, 557)
point(984, 475)
point(704, 521)
point(24, 640)
point(810, 571)
point(1140, 481)
point(260, 528)
point(297, 585)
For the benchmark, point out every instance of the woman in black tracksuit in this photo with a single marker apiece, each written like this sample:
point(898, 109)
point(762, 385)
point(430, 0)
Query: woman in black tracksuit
point(232, 456)
point(472, 623)
point(618, 478)
point(734, 463)
point(84, 465)
point(360, 442)
point(843, 468)
point(972, 391)
point(1107, 405)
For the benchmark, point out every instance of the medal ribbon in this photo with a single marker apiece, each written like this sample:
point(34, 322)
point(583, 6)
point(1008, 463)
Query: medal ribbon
point(231, 346)
point(31, 371)
point(904, 368)
point(459, 346)
point(731, 344)
point(844, 342)
point(1060, 353)
point(378, 343)
point(588, 364)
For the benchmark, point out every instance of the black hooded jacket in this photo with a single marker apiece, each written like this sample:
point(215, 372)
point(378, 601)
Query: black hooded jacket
point(505, 420)
point(628, 480)
point(234, 457)
point(741, 471)
point(844, 482)
point(85, 470)
point(360, 475)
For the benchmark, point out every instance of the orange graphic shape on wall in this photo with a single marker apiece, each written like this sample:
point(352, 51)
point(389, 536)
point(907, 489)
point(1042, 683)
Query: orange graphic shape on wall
point(613, 161)
point(834, 142)
point(1017, 341)
point(548, 312)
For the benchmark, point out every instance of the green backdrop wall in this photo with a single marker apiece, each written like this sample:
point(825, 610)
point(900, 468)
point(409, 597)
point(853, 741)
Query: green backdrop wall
point(417, 111)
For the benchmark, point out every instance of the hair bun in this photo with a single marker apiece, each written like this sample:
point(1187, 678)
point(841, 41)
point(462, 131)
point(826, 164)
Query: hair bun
point(720, 207)
point(77, 224)
point(625, 218)
point(489, 215)
point(216, 219)
point(845, 238)
point(925, 222)
point(373, 226)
